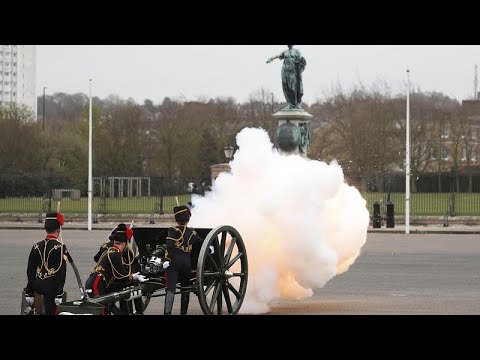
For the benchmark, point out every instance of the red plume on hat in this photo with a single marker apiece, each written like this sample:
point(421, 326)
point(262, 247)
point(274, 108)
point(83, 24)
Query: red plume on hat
point(121, 233)
point(129, 233)
point(55, 216)
point(60, 218)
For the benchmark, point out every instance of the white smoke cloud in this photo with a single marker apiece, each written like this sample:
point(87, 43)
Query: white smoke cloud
point(301, 223)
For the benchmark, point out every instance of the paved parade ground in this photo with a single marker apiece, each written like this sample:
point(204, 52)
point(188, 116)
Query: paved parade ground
point(395, 274)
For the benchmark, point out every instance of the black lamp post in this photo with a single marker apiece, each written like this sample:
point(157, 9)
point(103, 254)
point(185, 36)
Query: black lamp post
point(228, 151)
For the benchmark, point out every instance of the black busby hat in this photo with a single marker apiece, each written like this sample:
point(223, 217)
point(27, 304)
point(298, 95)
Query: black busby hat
point(53, 221)
point(121, 233)
point(182, 213)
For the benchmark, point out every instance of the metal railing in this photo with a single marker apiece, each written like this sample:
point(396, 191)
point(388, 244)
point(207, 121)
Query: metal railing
point(440, 194)
point(40, 195)
point(431, 194)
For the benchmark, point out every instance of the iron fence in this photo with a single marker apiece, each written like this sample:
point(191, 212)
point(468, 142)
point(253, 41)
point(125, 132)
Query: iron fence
point(441, 194)
point(451, 194)
point(111, 195)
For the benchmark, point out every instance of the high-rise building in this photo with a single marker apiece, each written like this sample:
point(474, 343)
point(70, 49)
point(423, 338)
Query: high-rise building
point(18, 76)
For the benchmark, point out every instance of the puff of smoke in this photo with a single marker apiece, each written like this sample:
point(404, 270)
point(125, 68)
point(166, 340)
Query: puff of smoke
point(301, 223)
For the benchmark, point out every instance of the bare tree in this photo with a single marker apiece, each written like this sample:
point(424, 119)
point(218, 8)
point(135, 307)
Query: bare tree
point(359, 132)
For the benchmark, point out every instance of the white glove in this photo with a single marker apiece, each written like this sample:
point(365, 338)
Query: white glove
point(138, 277)
point(212, 249)
point(166, 264)
point(156, 260)
point(29, 300)
point(58, 300)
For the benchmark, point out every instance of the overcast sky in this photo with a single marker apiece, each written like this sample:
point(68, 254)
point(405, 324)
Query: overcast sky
point(194, 71)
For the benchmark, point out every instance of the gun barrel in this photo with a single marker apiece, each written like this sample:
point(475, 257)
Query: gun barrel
point(96, 305)
point(130, 293)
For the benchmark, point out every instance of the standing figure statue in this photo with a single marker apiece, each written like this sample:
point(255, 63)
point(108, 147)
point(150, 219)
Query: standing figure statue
point(293, 65)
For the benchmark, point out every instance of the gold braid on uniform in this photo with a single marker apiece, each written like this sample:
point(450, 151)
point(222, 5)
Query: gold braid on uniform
point(180, 240)
point(116, 274)
point(44, 257)
point(97, 267)
point(190, 238)
point(130, 262)
point(130, 259)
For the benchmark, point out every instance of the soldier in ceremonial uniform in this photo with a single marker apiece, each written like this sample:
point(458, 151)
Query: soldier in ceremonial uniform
point(128, 256)
point(112, 273)
point(179, 242)
point(47, 266)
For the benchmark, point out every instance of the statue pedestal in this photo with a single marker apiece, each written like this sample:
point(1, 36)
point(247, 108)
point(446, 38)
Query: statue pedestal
point(289, 132)
point(216, 169)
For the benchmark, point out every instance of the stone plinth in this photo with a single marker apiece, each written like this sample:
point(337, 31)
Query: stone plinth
point(289, 134)
point(293, 116)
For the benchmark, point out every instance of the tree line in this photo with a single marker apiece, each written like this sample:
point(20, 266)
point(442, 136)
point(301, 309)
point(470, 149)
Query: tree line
point(364, 129)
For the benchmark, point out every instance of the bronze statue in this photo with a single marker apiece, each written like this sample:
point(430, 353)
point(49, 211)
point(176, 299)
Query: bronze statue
point(293, 65)
point(305, 138)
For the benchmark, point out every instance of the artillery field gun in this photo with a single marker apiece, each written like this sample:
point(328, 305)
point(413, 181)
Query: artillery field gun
point(219, 279)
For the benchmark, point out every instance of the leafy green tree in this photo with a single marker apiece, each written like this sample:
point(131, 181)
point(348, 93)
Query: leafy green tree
point(20, 142)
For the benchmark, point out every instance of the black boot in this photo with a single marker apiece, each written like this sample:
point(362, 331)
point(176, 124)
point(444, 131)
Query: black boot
point(138, 306)
point(126, 307)
point(184, 303)
point(169, 297)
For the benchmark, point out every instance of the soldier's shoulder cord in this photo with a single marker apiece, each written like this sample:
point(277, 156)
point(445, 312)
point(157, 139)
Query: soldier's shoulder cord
point(117, 274)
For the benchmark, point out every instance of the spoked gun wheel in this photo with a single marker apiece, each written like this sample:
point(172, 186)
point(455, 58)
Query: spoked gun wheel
point(222, 276)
